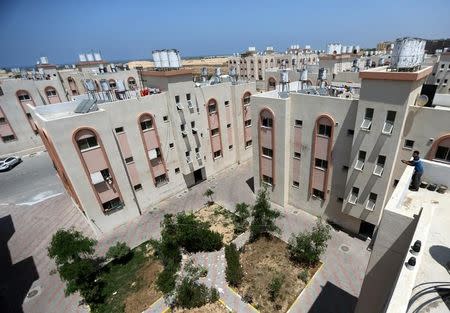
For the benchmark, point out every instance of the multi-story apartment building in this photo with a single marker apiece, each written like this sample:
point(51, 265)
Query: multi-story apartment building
point(117, 158)
point(339, 156)
point(441, 73)
point(49, 85)
point(251, 64)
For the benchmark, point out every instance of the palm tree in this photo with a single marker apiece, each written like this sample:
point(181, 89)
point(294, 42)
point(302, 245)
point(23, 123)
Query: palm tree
point(209, 193)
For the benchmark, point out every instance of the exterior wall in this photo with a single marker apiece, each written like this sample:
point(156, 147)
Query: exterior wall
point(441, 74)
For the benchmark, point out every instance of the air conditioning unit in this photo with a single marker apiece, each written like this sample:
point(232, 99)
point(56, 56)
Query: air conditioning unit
point(366, 124)
point(370, 205)
point(352, 198)
point(198, 156)
point(188, 160)
point(190, 104)
point(359, 165)
point(194, 130)
point(378, 170)
point(387, 128)
point(179, 107)
point(184, 133)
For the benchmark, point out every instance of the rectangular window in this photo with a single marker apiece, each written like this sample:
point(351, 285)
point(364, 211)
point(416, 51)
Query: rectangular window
point(321, 164)
point(212, 108)
point(246, 99)
point(267, 122)
point(8, 138)
point(298, 123)
point(188, 96)
point(442, 153)
point(318, 193)
point(230, 147)
point(389, 123)
point(148, 124)
point(267, 152)
point(267, 180)
point(409, 144)
point(165, 118)
point(51, 93)
point(379, 167)
point(296, 184)
point(345, 168)
point(2, 120)
point(350, 132)
point(177, 170)
point(217, 154)
point(24, 97)
point(297, 155)
point(248, 143)
point(248, 123)
point(395, 182)
point(182, 127)
point(353, 197)
point(129, 160)
point(228, 125)
point(177, 99)
point(371, 202)
point(137, 187)
point(227, 103)
point(119, 130)
point(193, 124)
point(367, 122)
point(340, 199)
point(324, 130)
point(87, 143)
point(112, 205)
point(359, 165)
point(214, 132)
point(161, 180)
point(171, 145)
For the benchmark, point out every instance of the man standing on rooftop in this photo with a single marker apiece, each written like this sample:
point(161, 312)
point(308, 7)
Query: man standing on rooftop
point(418, 170)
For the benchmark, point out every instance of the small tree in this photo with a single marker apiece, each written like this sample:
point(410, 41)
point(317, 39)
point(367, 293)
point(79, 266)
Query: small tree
point(263, 216)
point(73, 254)
point(274, 287)
point(233, 272)
point(241, 214)
point(209, 193)
point(118, 252)
point(307, 247)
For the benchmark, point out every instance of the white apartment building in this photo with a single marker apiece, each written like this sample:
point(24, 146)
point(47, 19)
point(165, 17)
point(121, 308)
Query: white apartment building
point(116, 158)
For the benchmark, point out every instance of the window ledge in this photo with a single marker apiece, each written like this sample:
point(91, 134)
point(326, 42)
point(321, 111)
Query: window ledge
point(320, 168)
point(266, 156)
point(407, 148)
point(89, 149)
point(147, 129)
point(323, 136)
point(266, 127)
point(296, 158)
point(216, 158)
point(297, 126)
point(247, 126)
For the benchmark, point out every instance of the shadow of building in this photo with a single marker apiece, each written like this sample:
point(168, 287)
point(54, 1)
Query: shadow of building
point(15, 279)
point(333, 299)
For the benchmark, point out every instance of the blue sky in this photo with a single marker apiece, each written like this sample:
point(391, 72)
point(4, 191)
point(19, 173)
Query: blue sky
point(132, 29)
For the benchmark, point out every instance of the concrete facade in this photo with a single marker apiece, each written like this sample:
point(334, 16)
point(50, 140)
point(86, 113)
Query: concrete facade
point(441, 74)
point(131, 154)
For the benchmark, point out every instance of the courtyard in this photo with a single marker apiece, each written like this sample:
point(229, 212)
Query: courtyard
point(42, 206)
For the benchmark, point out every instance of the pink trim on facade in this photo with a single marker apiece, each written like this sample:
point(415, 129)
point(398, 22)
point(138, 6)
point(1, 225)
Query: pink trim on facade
point(153, 168)
point(210, 118)
point(272, 129)
point(52, 99)
point(6, 126)
point(246, 112)
point(432, 152)
point(329, 155)
point(25, 109)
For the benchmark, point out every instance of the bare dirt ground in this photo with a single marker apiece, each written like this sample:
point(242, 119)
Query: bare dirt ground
point(147, 292)
point(262, 261)
point(215, 307)
point(220, 220)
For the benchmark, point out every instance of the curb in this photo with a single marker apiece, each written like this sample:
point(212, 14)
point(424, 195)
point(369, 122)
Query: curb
point(248, 304)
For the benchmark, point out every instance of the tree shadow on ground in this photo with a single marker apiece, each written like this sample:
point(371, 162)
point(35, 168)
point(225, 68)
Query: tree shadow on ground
point(333, 299)
point(15, 279)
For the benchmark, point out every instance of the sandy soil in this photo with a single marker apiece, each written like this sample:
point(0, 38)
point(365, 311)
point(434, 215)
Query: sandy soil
point(147, 293)
point(261, 261)
point(215, 307)
point(220, 220)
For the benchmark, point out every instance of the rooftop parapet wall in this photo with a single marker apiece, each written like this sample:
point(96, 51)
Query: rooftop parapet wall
point(381, 73)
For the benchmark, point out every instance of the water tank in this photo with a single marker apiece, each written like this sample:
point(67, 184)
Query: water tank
point(104, 85)
point(322, 74)
point(304, 74)
point(43, 60)
point(82, 57)
point(113, 67)
point(349, 49)
point(251, 49)
point(232, 71)
point(307, 47)
point(164, 56)
point(90, 85)
point(204, 71)
point(284, 78)
point(120, 85)
point(90, 57)
point(408, 53)
point(344, 49)
point(156, 58)
point(357, 48)
point(381, 62)
point(97, 56)
point(217, 72)
point(174, 61)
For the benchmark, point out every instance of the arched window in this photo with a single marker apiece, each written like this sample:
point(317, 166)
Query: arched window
point(146, 122)
point(441, 149)
point(132, 83)
point(86, 139)
point(52, 95)
point(72, 86)
point(246, 98)
point(266, 147)
point(24, 97)
point(272, 85)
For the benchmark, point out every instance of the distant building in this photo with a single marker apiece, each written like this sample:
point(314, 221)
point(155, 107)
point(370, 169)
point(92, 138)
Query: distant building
point(385, 46)
point(437, 44)
point(441, 73)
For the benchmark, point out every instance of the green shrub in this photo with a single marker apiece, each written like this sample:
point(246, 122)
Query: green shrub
point(275, 286)
point(118, 252)
point(303, 275)
point(263, 215)
point(307, 247)
point(241, 214)
point(167, 278)
point(233, 272)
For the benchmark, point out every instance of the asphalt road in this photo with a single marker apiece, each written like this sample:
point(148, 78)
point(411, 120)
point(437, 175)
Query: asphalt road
point(30, 182)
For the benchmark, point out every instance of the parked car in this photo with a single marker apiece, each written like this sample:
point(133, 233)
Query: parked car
point(8, 163)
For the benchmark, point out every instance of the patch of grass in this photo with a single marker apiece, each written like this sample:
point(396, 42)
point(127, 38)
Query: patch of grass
point(118, 278)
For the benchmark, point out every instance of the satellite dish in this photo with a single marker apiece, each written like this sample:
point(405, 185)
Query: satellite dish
point(421, 100)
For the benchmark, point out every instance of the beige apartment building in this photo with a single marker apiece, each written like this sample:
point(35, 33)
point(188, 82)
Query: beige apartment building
point(337, 154)
point(49, 85)
point(441, 73)
point(118, 157)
